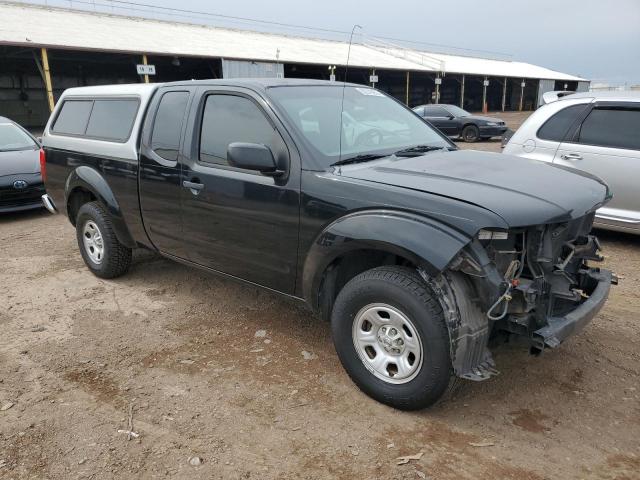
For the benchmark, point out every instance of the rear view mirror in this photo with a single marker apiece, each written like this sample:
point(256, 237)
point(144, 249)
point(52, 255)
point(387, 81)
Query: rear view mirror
point(251, 156)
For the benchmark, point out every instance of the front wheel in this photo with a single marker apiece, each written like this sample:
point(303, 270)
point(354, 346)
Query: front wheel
point(390, 334)
point(470, 133)
point(101, 251)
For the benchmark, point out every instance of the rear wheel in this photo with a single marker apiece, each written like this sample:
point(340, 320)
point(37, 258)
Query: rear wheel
point(101, 251)
point(470, 133)
point(389, 331)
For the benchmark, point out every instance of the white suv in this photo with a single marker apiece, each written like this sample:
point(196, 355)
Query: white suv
point(598, 133)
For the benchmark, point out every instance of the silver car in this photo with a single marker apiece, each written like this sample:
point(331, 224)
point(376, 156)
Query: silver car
point(596, 132)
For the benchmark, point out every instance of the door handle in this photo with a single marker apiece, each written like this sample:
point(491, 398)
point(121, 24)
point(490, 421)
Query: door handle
point(571, 156)
point(193, 186)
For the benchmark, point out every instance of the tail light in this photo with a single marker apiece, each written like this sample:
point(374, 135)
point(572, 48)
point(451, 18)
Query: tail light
point(43, 165)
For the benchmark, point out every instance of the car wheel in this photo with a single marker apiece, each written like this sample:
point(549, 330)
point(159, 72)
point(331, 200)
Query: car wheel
point(390, 334)
point(101, 251)
point(470, 133)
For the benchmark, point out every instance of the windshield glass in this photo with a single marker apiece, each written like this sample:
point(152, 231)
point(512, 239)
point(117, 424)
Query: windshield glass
point(457, 111)
point(372, 123)
point(14, 138)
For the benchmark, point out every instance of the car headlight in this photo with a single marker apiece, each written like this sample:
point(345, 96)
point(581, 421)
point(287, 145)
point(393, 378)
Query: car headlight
point(491, 124)
point(493, 234)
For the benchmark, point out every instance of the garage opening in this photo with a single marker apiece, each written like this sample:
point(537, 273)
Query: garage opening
point(22, 94)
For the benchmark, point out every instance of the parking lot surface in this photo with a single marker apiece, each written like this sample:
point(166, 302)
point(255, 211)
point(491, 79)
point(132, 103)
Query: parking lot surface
point(221, 380)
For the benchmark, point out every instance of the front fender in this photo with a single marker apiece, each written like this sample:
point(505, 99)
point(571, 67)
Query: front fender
point(427, 243)
point(88, 178)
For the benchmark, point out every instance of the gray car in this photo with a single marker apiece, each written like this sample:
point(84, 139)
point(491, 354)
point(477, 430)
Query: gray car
point(598, 133)
point(21, 186)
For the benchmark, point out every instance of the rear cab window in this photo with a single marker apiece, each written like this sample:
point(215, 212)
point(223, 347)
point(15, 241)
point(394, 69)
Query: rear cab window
point(73, 117)
point(109, 119)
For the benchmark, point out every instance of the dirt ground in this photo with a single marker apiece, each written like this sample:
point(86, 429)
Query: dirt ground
point(250, 385)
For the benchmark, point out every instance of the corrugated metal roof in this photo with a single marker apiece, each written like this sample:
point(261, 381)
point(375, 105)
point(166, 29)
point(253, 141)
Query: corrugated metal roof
point(73, 29)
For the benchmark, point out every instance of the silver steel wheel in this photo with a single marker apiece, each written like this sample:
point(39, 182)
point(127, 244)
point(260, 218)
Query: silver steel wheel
point(93, 243)
point(387, 343)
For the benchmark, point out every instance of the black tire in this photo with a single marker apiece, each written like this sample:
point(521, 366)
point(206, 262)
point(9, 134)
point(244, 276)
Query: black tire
point(116, 258)
point(470, 133)
point(403, 289)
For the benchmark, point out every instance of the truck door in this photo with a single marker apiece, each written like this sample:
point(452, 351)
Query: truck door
point(160, 187)
point(607, 144)
point(236, 221)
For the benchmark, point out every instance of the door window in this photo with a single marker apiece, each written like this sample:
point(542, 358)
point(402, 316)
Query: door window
point(611, 127)
point(167, 127)
point(436, 112)
point(231, 118)
point(556, 127)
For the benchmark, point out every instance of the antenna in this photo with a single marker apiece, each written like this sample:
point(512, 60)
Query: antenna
point(344, 86)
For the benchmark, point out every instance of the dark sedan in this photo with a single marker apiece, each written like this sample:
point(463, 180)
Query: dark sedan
point(455, 122)
point(21, 186)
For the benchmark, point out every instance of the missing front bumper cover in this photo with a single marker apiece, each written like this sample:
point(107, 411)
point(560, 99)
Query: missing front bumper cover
point(561, 327)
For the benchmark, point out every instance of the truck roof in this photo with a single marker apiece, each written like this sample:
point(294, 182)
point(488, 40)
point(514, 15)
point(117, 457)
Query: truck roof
point(142, 89)
point(146, 89)
point(262, 83)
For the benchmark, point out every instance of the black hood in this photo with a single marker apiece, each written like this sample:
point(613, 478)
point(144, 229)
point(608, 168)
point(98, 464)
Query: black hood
point(19, 161)
point(481, 119)
point(521, 191)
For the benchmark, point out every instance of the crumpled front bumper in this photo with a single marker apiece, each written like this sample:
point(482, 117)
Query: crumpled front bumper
point(560, 328)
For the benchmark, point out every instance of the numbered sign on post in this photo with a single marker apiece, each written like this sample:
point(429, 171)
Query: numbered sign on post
point(146, 69)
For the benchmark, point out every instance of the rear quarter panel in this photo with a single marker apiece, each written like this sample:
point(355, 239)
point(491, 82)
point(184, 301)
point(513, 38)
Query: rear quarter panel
point(526, 143)
point(115, 162)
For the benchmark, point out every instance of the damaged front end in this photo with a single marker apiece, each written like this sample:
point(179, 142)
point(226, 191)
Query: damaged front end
point(533, 282)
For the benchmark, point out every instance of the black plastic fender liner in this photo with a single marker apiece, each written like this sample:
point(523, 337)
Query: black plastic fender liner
point(425, 242)
point(468, 325)
point(90, 179)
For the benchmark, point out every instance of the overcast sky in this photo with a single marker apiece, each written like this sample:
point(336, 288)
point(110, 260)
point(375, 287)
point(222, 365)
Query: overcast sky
point(597, 39)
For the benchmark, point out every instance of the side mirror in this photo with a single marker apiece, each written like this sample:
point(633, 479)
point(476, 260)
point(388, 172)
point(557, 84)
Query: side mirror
point(251, 156)
point(451, 117)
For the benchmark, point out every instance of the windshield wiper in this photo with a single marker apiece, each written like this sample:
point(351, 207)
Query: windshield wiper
point(417, 150)
point(358, 159)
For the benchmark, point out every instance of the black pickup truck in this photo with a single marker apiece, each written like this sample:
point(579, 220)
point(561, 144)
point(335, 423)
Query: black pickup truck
point(340, 197)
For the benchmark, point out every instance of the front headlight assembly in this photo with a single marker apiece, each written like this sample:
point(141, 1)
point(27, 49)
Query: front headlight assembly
point(492, 234)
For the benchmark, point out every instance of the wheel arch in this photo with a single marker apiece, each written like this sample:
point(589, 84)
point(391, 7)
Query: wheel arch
point(366, 239)
point(86, 184)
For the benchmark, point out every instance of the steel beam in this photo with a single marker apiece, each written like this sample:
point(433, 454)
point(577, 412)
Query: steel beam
point(504, 94)
point(407, 96)
point(47, 78)
point(484, 95)
point(144, 62)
